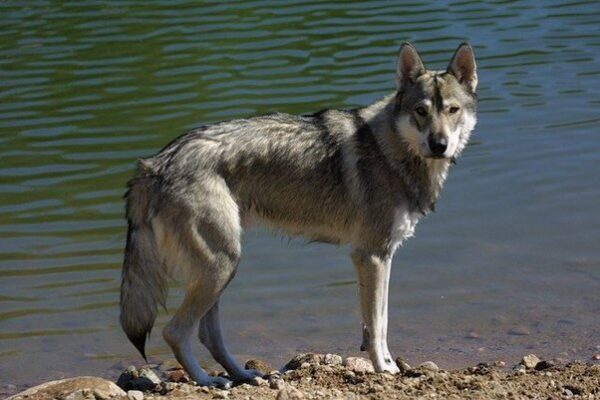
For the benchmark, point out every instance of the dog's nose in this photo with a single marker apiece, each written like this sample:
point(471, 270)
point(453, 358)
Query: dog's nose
point(437, 144)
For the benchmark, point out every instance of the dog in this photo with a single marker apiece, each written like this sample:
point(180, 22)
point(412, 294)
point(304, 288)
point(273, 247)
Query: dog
point(362, 177)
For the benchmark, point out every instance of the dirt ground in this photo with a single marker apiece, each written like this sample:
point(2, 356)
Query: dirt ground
point(318, 376)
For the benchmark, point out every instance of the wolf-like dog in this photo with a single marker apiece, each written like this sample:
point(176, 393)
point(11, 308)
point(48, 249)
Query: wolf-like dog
point(362, 177)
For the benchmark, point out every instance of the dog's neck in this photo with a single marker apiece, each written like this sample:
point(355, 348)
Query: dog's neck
point(422, 179)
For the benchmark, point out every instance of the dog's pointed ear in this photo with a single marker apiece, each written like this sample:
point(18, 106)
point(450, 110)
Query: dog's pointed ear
point(463, 66)
point(410, 66)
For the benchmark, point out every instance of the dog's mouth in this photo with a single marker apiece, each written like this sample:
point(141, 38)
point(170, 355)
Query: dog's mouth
point(437, 157)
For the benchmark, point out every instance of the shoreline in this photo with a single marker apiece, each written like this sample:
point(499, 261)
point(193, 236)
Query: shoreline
point(329, 376)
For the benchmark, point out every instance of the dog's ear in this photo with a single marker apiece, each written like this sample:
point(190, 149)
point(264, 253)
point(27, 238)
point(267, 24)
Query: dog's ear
point(463, 66)
point(410, 66)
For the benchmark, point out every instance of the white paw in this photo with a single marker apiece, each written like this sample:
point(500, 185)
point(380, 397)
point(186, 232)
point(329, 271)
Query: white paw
point(387, 365)
point(392, 368)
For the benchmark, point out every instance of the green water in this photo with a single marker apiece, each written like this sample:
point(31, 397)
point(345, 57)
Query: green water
point(88, 87)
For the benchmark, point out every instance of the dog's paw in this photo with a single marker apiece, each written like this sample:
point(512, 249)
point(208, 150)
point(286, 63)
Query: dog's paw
point(216, 381)
point(250, 376)
point(391, 368)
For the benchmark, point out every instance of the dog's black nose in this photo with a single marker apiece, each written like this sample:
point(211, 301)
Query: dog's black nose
point(437, 145)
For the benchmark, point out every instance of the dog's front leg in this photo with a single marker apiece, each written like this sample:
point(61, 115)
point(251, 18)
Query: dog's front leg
point(373, 276)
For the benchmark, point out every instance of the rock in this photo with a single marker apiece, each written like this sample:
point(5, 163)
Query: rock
point(542, 365)
point(178, 375)
point(169, 365)
point(358, 364)
point(135, 395)
point(289, 393)
point(530, 361)
point(150, 375)
point(276, 383)
point(258, 365)
point(72, 386)
point(402, 365)
point(101, 395)
point(596, 356)
point(520, 369)
point(260, 381)
point(429, 366)
point(221, 394)
point(332, 359)
point(143, 380)
point(499, 364)
point(310, 358)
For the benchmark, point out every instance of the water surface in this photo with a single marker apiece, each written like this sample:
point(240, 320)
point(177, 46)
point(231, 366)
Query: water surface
point(508, 264)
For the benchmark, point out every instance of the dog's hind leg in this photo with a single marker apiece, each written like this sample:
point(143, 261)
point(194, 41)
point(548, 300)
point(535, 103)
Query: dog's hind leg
point(205, 243)
point(180, 330)
point(211, 336)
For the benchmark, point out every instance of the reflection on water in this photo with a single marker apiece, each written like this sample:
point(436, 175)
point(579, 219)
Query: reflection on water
point(508, 264)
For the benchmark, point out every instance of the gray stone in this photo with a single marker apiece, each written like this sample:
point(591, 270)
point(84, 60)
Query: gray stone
point(332, 359)
point(530, 361)
point(151, 375)
point(429, 366)
point(135, 395)
point(276, 383)
point(358, 364)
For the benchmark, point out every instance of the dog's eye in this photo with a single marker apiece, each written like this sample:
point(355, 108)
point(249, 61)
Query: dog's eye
point(453, 110)
point(422, 111)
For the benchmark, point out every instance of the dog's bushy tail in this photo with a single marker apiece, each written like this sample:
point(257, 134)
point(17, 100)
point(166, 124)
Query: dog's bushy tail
point(143, 280)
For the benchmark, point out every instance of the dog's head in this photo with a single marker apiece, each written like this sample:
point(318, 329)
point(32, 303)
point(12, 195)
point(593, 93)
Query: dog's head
point(436, 109)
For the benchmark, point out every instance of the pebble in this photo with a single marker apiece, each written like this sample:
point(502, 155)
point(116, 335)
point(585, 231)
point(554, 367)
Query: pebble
point(150, 375)
point(222, 394)
point(402, 365)
point(276, 383)
point(499, 364)
point(530, 361)
point(258, 365)
point(429, 366)
point(135, 395)
point(289, 393)
point(178, 375)
point(544, 365)
point(520, 369)
point(333, 359)
point(300, 359)
point(358, 364)
point(596, 356)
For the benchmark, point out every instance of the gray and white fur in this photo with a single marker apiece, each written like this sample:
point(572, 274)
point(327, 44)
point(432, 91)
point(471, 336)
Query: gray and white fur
point(362, 177)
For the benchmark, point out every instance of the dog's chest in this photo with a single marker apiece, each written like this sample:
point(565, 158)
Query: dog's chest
point(403, 226)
